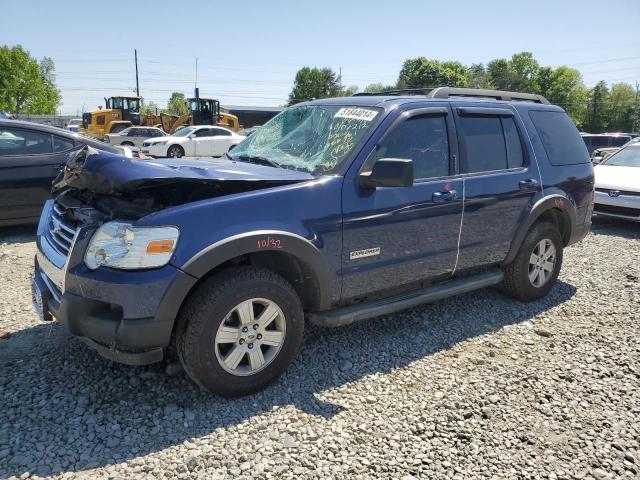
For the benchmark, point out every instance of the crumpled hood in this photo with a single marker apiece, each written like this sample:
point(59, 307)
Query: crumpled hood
point(105, 173)
point(127, 188)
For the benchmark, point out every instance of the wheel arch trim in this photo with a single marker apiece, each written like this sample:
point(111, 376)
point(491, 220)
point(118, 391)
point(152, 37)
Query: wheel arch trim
point(264, 241)
point(559, 201)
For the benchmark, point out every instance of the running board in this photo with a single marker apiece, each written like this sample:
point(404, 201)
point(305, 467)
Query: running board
point(346, 315)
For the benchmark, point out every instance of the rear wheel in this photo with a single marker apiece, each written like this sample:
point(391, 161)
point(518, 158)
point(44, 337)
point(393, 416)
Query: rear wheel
point(239, 331)
point(536, 267)
point(175, 151)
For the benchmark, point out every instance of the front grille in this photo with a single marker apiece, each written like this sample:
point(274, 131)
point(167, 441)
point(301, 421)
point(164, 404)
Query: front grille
point(61, 232)
point(626, 211)
point(620, 192)
point(53, 289)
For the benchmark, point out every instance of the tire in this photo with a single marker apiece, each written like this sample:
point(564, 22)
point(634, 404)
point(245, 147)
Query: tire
point(175, 151)
point(127, 144)
point(215, 303)
point(517, 281)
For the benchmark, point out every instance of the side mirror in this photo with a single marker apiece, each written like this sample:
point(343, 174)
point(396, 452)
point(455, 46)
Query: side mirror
point(193, 135)
point(388, 172)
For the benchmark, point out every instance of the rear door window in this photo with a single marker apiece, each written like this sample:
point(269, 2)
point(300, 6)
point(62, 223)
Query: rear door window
point(560, 138)
point(515, 155)
point(61, 144)
point(219, 132)
point(490, 143)
point(203, 132)
point(17, 141)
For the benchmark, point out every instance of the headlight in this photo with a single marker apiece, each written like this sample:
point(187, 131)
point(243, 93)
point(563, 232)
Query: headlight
point(156, 142)
point(121, 245)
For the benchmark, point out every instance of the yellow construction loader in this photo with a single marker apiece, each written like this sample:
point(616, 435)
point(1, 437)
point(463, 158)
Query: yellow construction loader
point(123, 112)
point(202, 111)
point(119, 113)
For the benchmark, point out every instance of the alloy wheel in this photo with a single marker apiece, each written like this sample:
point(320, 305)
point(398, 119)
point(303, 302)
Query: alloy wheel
point(175, 152)
point(250, 336)
point(542, 263)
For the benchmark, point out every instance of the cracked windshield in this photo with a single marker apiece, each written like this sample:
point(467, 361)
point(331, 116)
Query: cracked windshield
point(315, 139)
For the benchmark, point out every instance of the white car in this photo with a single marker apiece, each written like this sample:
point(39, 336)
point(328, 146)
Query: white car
point(134, 136)
point(196, 141)
point(618, 184)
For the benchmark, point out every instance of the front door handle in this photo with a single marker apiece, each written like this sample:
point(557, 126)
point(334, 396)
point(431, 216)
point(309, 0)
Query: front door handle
point(442, 197)
point(528, 184)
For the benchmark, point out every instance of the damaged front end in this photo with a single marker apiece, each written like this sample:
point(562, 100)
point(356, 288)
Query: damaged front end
point(98, 184)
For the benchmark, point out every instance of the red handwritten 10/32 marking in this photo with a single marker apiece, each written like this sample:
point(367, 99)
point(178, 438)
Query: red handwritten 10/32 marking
point(269, 243)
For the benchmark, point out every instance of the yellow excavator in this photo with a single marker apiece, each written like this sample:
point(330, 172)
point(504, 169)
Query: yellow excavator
point(123, 112)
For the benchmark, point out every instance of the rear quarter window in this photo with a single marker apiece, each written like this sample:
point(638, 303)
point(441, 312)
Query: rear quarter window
point(560, 138)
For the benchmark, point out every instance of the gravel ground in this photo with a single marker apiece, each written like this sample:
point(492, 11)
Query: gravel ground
point(477, 386)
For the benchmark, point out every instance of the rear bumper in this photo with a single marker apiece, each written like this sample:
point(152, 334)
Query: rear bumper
point(579, 232)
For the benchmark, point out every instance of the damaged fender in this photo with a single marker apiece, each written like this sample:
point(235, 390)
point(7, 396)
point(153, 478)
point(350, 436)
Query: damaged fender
point(316, 271)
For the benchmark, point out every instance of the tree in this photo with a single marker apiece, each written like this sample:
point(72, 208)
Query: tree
point(576, 106)
point(499, 73)
point(313, 83)
point(622, 98)
point(478, 76)
point(519, 74)
point(563, 86)
point(150, 108)
point(421, 72)
point(378, 87)
point(524, 69)
point(26, 85)
point(177, 104)
point(597, 100)
point(347, 91)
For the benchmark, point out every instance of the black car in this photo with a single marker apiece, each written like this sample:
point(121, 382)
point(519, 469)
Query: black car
point(30, 158)
point(595, 141)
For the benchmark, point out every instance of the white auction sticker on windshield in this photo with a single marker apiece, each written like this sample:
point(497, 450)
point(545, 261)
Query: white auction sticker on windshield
point(356, 113)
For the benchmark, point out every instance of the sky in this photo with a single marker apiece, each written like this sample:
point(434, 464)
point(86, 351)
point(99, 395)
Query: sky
point(248, 52)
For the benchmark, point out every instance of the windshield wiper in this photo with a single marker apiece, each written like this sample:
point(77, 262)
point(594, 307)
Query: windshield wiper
point(257, 160)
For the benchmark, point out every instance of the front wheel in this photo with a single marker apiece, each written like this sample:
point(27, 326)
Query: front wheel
point(536, 267)
point(127, 144)
point(175, 151)
point(239, 331)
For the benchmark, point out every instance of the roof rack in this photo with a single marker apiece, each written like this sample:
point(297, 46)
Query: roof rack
point(447, 92)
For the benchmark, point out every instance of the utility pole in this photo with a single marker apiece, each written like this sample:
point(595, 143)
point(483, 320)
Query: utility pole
point(636, 109)
point(195, 87)
point(135, 52)
point(340, 79)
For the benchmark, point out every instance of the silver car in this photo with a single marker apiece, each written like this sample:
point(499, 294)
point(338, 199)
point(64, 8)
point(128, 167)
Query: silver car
point(133, 136)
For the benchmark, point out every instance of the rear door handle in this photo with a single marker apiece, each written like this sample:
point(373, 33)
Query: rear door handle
point(528, 184)
point(442, 197)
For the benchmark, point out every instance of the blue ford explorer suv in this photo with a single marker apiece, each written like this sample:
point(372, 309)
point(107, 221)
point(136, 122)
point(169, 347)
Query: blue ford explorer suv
point(335, 210)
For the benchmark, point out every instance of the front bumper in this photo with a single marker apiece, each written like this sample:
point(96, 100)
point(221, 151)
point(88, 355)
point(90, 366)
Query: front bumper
point(127, 316)
point(626, 207)
point(159, 150)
